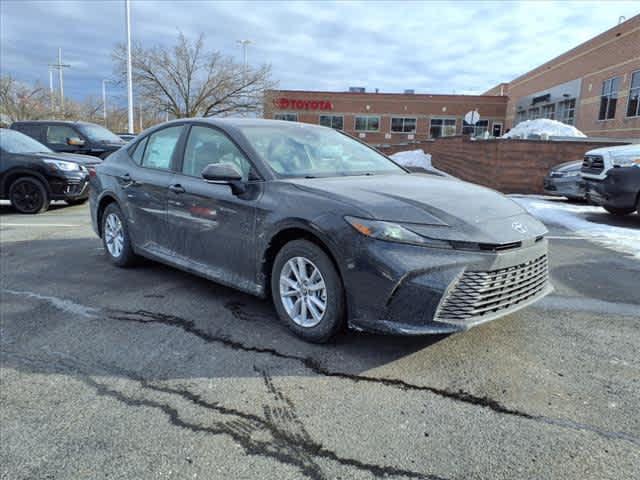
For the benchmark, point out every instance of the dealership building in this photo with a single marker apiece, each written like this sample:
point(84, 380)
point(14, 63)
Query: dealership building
point(594, 86)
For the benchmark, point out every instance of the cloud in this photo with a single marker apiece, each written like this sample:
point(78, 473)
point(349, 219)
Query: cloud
point(434, 47)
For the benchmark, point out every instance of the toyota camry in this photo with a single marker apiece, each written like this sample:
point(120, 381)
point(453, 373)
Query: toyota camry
point(332, 230)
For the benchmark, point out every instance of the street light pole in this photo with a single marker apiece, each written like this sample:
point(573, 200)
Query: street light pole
point(127, 6)
point(104, 101)
point(53, 105)
point(244, 44)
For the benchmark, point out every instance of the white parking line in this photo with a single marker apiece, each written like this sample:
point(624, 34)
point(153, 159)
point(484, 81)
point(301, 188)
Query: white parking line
point(2, 224)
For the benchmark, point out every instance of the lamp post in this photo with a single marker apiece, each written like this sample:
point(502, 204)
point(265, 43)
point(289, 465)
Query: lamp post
point(244, 44)
point(104, 100)
point(127, 7)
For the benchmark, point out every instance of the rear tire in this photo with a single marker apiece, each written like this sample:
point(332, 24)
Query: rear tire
point(619, 211)
point(29, 195)
point(307, 291)
point(115, 237)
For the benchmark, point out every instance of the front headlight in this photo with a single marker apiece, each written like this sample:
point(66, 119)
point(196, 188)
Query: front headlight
point(626, 161)
point(572, 173)
point(393, 232)
point(62, 165)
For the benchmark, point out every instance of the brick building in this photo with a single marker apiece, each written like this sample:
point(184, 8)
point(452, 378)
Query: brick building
point(389, 118)
point(594, 86)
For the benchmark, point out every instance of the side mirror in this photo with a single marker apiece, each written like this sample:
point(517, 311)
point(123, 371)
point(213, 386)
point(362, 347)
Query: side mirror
point(75, 141)
point(221, 172)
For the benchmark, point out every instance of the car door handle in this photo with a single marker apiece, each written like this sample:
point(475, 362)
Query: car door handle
point(126, 178)
point(177, 188)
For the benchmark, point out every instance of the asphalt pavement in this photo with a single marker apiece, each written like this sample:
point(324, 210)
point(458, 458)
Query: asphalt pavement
point(152, 373)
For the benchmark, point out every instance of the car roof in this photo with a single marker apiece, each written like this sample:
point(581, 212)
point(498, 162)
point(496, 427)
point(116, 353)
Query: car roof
point(633, 148)
point(244, 122)
point(51, 122)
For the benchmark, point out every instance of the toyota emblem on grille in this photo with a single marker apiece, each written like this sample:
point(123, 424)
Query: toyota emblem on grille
point(518, 227)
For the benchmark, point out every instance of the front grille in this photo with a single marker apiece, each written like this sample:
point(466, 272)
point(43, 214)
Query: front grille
point(483, 293)
point(592, 164)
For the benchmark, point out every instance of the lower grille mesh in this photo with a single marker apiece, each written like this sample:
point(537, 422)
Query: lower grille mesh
point(482, 293)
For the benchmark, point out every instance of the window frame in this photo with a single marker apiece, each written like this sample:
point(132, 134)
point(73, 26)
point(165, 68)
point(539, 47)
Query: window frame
point(367, 130)
point(608, 95)
point(179, 147)
point(455, 126)
point(332, 117)
point(285, 114)
point(403, 131)
point(183, 148)
point(631, 88)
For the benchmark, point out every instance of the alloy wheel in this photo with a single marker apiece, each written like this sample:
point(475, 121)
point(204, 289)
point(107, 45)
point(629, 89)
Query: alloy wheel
point(26, 197)
point(303, 292)
point(114, 235)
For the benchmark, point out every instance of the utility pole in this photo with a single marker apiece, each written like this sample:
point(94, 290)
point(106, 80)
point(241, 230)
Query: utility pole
point(53, 103)
point(60, 66)
point(104, 101)
point(244, 44)
point(127, 7)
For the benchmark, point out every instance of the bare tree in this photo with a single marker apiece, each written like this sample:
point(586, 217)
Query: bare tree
point(19, 101)
point(186, 80)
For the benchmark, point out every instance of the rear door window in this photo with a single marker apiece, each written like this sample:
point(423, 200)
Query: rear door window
point(58, 134)
point(160, 147)
point(34, 131)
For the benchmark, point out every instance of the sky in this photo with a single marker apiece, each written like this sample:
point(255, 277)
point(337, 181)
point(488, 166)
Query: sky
point(463, 47)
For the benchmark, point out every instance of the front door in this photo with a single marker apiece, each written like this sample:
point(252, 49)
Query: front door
point(146, 187)
point(211, 228)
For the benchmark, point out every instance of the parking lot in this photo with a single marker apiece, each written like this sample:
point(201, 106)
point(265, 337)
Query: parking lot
point(154, 373)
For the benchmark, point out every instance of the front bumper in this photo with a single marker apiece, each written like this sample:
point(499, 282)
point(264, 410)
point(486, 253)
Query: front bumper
point(619, 189)
point(570, 187)
point(74, 186)
point(410, 290)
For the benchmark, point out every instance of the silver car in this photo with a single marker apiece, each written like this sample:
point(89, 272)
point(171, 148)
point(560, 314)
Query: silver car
point(564, 180)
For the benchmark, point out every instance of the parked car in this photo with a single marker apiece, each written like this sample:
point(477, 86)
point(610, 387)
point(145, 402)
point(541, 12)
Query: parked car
point(564, 180)
point(127, 137)
point(334, 231)
point(72, 137)
point(612, 178)
point(32, 175)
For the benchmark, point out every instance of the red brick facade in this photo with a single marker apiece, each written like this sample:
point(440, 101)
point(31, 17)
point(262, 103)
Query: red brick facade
point(614, 53)
point(306, 106)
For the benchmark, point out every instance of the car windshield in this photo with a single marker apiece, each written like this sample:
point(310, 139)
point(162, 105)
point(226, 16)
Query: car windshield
point(16, 142)
point(299, 150)
point(98, 134)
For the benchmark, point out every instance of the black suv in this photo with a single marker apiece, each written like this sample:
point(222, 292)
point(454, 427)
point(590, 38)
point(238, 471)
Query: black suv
point(31, 175)
point(71, 137)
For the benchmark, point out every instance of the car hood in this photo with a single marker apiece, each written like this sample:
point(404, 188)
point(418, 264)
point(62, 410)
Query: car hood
point(85, 160)
point(567, 166)
point(619, 150)
point(432, 203)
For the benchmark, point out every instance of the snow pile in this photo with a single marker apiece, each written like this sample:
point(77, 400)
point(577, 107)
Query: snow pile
point(573, 217)
point(417, 158)
point(543, 128)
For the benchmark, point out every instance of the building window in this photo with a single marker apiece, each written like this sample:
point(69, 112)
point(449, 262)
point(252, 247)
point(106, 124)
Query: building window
point(633, 107)
point(567, 111)
point(367, 124)
point(609, 98)
point(403, 125)
point(442, 127)
point(549, 111)
point(522, 116)
point(533, 113)
point(289, 117)
point(476, 130)
point(332, 121)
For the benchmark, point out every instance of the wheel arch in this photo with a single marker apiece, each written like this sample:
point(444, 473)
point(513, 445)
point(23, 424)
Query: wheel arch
point(12, 175)
point(106, 199)
point(286, 234)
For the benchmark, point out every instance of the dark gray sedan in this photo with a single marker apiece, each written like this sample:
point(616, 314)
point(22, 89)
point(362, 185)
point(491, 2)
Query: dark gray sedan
point(564, 180)
point(335, 232)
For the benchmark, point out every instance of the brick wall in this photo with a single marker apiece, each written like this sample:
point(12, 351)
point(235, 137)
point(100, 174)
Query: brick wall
point(510, 166)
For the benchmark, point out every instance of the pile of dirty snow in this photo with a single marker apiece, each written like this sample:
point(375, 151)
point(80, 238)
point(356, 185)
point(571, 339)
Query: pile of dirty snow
point(543, 128)
point(576, 219)
point(417, 158)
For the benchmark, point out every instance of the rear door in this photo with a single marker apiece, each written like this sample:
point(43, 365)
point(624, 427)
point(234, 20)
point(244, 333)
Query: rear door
point(145, 184)
point(212, 228)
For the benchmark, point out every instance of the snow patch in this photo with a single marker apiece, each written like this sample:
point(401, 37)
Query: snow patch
point(417, 158)
point(571, 217)
point(543, 128)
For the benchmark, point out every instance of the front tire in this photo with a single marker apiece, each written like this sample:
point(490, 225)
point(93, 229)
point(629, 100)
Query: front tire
point(29, 195)
point(307, 291)
point(115, 237)
point(619, 211)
